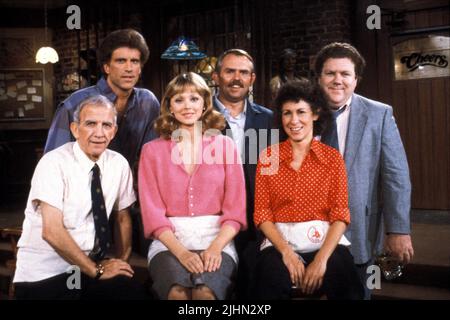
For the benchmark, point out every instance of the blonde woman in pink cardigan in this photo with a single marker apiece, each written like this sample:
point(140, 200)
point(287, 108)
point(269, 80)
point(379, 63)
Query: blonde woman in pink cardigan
point(192, 196)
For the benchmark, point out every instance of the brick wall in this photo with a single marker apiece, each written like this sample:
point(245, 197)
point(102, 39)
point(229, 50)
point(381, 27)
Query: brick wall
point(66, 44)
point(306, 26)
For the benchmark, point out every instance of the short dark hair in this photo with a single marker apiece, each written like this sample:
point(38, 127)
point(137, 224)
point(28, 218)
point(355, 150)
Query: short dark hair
point(236, 52)
point(129, 38)
point(338, 50)
point(295, 91)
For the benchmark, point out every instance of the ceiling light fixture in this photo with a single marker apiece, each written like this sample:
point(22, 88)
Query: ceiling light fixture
point(46, 54)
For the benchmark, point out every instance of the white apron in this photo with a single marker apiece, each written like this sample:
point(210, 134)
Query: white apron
point(195, 233)
point(304, 236)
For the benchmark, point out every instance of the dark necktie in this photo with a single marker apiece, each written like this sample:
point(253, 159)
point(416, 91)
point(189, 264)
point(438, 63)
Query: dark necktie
point(102, 235)
point(330, 135)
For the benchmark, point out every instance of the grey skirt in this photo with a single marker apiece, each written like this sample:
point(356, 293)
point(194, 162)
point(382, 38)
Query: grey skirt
point(166, 271)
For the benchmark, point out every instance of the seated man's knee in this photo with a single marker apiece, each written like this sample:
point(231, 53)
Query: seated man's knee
point(179, 293)
point(203, 293)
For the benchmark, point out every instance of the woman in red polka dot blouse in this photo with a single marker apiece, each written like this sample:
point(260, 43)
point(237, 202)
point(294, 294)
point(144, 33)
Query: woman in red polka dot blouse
point(301, 206)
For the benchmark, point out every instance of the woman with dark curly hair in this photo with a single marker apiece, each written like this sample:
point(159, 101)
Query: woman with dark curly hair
point(301, 206)
point(192, 196)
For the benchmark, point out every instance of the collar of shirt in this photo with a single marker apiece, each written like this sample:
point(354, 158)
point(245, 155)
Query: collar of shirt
point(227, 113)
point(286, 152)
point(86, 163)
point(347, 103)
point(106, 90)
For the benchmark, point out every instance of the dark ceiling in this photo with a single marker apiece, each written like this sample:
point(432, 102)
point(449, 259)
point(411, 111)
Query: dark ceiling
point(32, 4)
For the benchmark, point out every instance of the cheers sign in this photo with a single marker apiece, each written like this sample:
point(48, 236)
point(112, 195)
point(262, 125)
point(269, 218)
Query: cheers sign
point(412, 55)
point(417, 59)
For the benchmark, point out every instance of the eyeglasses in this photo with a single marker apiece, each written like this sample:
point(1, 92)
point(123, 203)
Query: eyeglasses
point(390, 267)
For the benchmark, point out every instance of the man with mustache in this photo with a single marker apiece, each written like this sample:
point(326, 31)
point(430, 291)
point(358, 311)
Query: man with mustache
point(249, 125)
point(66, 240)
point(121, 57)
point(365, 133)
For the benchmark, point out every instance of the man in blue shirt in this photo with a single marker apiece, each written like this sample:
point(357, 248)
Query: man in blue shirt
point(121, 56)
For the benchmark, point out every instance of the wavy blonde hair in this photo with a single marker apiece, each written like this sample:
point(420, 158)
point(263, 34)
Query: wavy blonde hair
point(166, 122)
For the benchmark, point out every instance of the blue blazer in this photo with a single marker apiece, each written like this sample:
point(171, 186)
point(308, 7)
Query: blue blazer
point(257, 117)
point(378, 177)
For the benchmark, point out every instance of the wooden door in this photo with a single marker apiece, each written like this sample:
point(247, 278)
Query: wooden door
point(421, 106)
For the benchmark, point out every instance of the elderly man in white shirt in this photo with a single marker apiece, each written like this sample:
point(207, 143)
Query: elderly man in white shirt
point(59, 233)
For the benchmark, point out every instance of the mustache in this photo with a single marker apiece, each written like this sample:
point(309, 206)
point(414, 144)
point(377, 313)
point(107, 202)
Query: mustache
point(236, 83)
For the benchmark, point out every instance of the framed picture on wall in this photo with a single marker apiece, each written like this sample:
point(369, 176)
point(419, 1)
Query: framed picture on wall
point(22, 93)
point(26, 87)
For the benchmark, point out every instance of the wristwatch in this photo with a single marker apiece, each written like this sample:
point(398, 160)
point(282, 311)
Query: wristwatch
point(100, 269)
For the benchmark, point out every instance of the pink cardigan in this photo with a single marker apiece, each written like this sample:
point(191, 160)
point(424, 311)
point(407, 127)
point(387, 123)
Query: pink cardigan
point(166, 190)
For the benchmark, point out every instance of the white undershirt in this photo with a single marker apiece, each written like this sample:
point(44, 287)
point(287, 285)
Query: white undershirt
point(342, 126)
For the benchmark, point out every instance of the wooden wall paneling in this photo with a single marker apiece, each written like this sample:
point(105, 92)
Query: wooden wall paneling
point(412, 146)
point(446, 18)
point(421, 19)
point(415, 5)
point(436, 17)
point(366, 42)
point(400, 111)
point(410, 20)
point(447, 107)
point(423, 135)
point(408, 137)
point(405, 107)
point(421, 108)
point(440, 94)
point(385, 69)
point(414, 153)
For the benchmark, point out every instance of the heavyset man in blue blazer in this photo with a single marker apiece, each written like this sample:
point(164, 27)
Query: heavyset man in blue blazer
point(249, 125)
point(377, 169)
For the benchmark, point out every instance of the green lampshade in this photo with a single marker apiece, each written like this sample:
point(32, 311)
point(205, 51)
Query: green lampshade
point(183, 49)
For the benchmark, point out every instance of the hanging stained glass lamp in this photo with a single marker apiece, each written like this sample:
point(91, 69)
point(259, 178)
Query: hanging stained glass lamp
point(183, 49)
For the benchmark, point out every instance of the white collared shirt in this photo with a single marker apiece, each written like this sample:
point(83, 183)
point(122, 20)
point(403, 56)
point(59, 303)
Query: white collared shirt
point(62, 179)
point(237, 124)
point(342, 126)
